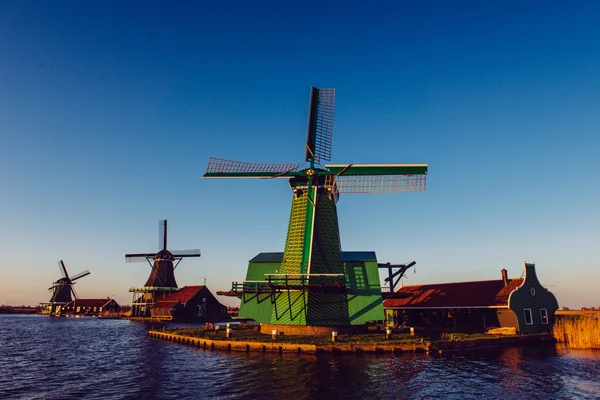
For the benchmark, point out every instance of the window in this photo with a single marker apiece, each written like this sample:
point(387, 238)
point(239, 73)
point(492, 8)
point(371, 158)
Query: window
point(544, 315)
point(528, 317)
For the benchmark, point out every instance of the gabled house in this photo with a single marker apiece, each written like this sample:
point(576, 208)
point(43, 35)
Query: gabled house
point(190, 303)
point(477, 306)
point(91, 307)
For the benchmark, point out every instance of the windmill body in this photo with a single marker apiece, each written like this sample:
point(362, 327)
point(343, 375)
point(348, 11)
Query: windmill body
point(62, 290)
point(313, 283)
point(161, 281)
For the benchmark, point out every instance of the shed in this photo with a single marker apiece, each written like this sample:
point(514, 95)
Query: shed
point(91, 307)
point(190, 303)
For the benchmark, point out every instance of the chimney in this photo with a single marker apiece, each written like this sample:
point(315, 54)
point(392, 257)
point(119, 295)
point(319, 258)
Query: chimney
point(504, 276)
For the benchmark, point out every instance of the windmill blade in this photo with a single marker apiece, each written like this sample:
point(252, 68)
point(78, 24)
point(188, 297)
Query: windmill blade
point(319, 133)
point(221, 168)
point(377, 169)
point(139, 257)
point(186, 253)
point(377, 178)
point(63, 269)
point(75, 295)
point(361, 184)
point(162, 234)
point(81, 275)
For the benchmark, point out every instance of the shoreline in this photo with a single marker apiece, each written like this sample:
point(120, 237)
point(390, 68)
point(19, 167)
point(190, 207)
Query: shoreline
point(438, 347)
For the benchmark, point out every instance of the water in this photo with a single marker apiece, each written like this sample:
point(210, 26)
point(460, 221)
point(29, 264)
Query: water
point(88, 358)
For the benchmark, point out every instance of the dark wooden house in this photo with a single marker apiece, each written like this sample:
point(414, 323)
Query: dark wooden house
point(190, 303)
point(477, 306)
point(91, 307)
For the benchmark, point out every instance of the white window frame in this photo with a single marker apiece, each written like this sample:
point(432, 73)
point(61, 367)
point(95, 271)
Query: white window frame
point(528, 310)
point(543, 312)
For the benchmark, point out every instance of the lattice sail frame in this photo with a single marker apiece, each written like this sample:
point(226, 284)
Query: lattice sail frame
point(220, 165)
point(360, 184)
point(320, 125)
point(325, 116)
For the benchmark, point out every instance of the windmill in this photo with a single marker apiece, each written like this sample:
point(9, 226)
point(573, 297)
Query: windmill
point(310, 287)
point(62, 290)
point(162, 276)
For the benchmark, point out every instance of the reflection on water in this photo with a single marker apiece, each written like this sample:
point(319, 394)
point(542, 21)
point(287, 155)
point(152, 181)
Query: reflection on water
point(66, 358)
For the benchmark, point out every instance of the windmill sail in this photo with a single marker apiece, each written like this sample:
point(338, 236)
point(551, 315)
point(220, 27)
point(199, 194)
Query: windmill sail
point(62, 269)
point(376, 178)
point(139, 257)
point(186, 253)
point(221, 168)
point(80, 275)
point(162, 234)
point(319, 133)
point(75, 295)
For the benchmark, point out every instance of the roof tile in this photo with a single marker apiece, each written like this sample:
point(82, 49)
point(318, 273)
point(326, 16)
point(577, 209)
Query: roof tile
point(184, 294)
point(455, 295)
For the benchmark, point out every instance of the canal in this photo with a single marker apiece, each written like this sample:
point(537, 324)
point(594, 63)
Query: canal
point(89, 358)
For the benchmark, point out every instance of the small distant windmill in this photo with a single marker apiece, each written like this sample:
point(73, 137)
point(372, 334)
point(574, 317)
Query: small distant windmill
point(62, 290)
point(311, 264)
point(162, 277)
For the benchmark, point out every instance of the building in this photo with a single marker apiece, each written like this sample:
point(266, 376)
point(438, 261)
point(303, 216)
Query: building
point(91, 307)
point(522, 303)
point(190, 303)
point(268, 296)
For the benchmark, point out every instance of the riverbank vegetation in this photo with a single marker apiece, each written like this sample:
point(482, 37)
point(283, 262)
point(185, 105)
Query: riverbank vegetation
point(578, 332)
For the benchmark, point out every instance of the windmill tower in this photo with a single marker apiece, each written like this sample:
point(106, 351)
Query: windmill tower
point(61, 291)
point(312, 284)
point(161, 281)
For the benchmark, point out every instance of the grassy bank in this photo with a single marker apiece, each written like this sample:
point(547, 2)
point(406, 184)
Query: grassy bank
point(249, 340)
point(247, 334)
point(578, 332)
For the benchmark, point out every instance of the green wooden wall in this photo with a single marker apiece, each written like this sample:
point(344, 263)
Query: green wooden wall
point(363, 292)
point(258, 306)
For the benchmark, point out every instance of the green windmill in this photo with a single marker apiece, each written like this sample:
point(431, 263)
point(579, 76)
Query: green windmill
point(313, 283)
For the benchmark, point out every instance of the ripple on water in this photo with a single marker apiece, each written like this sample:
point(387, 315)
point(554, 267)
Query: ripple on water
point(75, 358)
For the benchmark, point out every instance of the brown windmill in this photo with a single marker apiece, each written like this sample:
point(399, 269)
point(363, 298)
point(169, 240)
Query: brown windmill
point(61, 291)
point(162, 277)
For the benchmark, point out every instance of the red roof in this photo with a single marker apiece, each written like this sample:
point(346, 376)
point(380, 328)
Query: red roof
point(455, 295)
point(184, 294)
point(88, 302)
point(165, 304)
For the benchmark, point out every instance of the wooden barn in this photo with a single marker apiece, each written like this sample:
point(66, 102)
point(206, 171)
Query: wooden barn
point(91, 307)
point(190, 303)
point(477, 306)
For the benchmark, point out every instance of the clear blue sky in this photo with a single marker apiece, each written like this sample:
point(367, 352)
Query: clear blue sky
point(109, 112)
